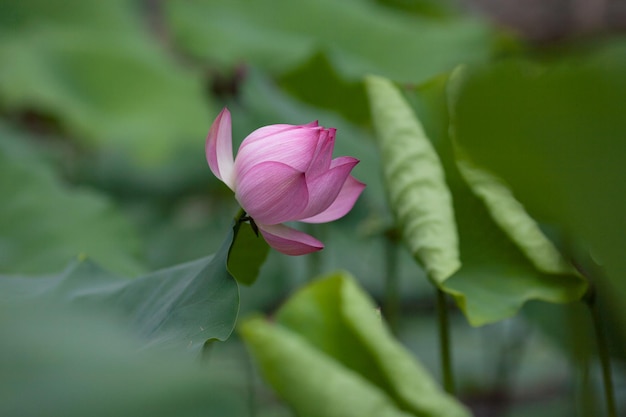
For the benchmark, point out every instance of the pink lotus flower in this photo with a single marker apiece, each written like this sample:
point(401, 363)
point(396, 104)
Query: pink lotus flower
point(284, 173)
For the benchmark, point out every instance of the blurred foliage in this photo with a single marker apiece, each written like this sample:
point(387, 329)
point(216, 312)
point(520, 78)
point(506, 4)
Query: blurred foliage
point(104, 107)
point(62, 362)
point(180, 307)
point(505, 260)
point(44, 223)
point(358, 37)
point(569, 171)
point(354, 368)
point(94, 68)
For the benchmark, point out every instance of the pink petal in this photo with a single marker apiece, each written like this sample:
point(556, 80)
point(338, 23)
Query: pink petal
point(292, 145)
point(324, 189)
point(323, 154)
point(272, 192)
point(265, 131)
point(219, 148)
point(348, 195)
point(289, 241)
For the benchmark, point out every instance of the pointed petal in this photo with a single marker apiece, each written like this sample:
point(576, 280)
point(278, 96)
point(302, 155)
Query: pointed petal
point(291, 145)
point(324, 189)
point(219, 148)
point(265, 131)
point(272, 192)
point(289, 241)
point(323, 154)
point(344, 202)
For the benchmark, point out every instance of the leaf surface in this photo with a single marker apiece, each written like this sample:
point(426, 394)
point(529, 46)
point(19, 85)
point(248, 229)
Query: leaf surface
point(501, 268)
point(558, 142)
point(45, 223)
point(415, 181)
point(328, 353)
point(96, 71)
point(357, 37)
point(57, 361)
point(179, 307)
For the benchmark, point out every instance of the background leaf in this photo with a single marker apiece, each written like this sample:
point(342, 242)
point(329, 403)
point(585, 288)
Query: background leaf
point(332, 325)
point(564, 159)
point(45, 223)
point(180, 307)
point(496, 277)
point(325, 388)
point(316, 81)
point(65, 362)
point(512, 218)
point(95, 70)
point(358, 37)
point(418, 194)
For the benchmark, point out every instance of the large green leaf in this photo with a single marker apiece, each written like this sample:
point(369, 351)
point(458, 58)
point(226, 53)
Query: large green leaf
point(93, 67)
point(512, 218)
point(313, 384)
point(556, 134)
point(415, 182)
point(180, 307)
point(358, 37)
point(497, 278)
point(328, 353)
point(45, 223)
point(61, 362)
point(497, 275)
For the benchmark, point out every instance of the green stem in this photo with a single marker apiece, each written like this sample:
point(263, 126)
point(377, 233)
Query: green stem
point(586, 397)
point(239, 218)
point(603, 353)
point(580, 346)
point(444, 342)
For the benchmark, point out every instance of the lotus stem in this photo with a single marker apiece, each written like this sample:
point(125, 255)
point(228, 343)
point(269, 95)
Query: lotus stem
point(444, 343)
point(603, 354)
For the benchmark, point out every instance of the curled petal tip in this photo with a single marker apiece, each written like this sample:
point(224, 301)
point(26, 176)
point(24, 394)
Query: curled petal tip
point(344, 202)
point(325, 189)
point(344, 160)
point(288, 240)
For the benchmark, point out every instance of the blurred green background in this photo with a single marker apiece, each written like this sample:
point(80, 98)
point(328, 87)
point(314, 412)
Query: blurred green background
point(104, 108)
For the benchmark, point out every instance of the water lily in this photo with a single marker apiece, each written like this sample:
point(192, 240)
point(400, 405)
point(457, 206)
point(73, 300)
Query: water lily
point(284, 173)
